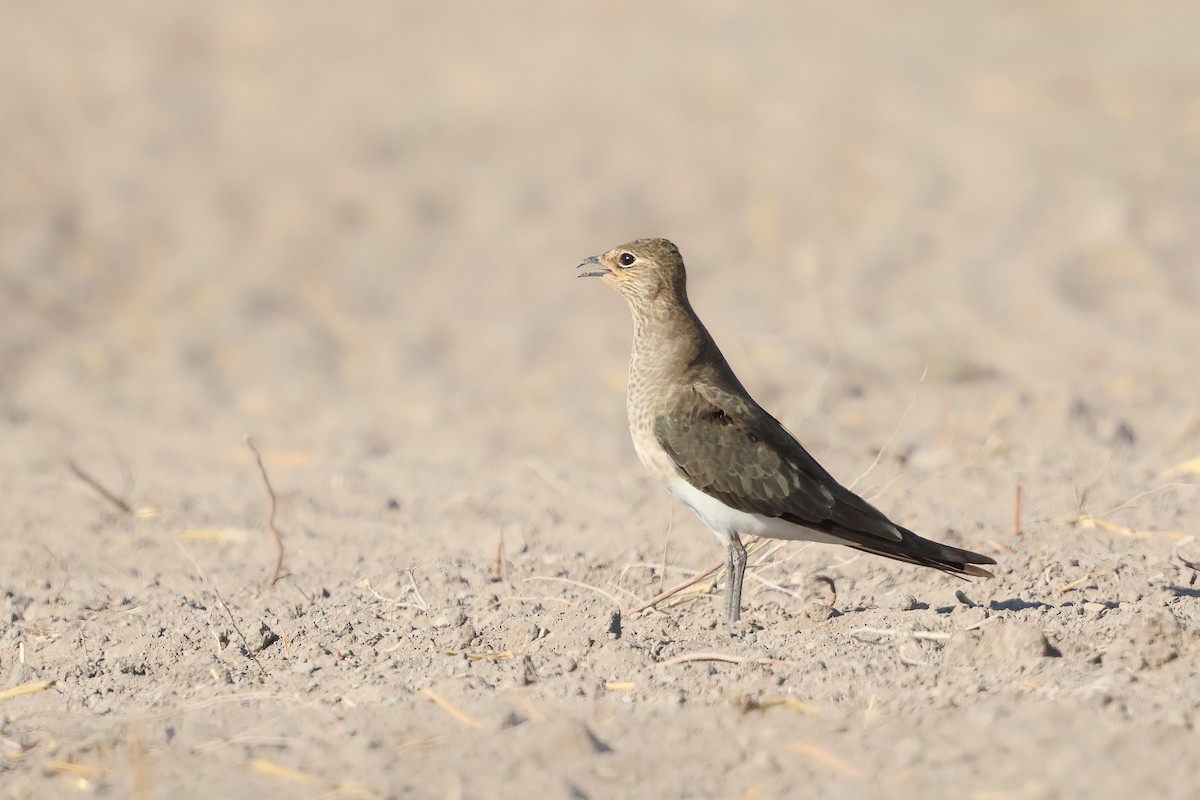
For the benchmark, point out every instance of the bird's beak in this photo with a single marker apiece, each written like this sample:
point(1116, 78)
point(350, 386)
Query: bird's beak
point(594, 261)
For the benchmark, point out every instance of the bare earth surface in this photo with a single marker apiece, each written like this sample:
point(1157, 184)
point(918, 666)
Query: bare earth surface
point(960, 235)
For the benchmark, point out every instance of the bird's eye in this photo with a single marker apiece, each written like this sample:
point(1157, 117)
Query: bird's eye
point(626, 259)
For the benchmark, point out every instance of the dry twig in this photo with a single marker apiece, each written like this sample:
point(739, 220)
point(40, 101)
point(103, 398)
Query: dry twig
point(499, 568)
point(503, 655)
point(1088, 521)
point(446, 706)
point(1016, 531)
point(931, 636)
point(271, 516)
point(580, 584)
point(1075, 584)
point(232, 620)
point(825, 758)
point(692, 581)
point(98, 487)
point(728, 659)
point(832, 588)
point(26, 688)
point(420, 604)
point(747, 704)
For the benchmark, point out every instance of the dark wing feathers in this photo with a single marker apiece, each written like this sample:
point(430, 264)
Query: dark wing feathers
point(729, 447)
point(738, 453)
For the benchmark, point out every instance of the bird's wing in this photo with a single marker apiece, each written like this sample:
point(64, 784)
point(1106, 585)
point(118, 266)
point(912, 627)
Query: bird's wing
point(727, 446)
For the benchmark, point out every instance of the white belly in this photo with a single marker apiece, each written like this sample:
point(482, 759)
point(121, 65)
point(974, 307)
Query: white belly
point(726, 521)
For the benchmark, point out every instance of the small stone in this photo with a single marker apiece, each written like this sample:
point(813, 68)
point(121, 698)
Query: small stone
point(818, 611)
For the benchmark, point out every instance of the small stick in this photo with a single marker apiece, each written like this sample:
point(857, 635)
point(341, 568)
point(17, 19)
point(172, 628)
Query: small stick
point(445, 705)
point(271, 516)
point(498, 568)
point(687, 657)
point(674, 590)
point(825, 758)
point(773, 585)
point(409, 745)
point(503, 655)
point(420, 605)
point(232, 620)
point(869, 713)
point(98, 487)
point(580, 584)
point(747, 704)
point(412, 579)
point(929, 636)
point(1016, 530)
point(1075, 584)
point(1088, 521)
point(26, 688)
point(281, 773)
point(832, 588)
point(78, 770)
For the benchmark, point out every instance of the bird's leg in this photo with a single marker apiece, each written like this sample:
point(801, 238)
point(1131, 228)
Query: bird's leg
point(735, 569)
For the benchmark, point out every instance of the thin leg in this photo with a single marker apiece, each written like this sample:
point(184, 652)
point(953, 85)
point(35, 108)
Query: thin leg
point(735, 570)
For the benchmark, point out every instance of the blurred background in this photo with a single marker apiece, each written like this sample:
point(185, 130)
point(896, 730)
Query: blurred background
point(353, 231)
point(963, 234)
point(215, 205)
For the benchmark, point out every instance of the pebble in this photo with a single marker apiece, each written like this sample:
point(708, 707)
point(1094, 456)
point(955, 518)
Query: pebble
point(818, 611)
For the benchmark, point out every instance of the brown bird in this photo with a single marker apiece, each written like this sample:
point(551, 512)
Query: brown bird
point(696, 428)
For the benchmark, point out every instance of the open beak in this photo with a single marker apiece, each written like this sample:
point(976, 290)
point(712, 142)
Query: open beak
point(594, 261)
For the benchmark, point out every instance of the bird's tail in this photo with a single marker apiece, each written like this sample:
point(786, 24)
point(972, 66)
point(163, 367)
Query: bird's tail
point(916, 549)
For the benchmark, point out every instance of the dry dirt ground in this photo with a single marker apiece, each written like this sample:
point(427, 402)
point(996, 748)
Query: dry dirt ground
point(952, 246)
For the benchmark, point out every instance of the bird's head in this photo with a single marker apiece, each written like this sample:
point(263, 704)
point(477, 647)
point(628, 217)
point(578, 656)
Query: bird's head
point(641, 270)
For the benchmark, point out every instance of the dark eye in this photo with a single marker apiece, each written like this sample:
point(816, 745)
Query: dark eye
point(626, 259)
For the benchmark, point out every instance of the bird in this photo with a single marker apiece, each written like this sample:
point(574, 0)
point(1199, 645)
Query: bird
point(696, 428)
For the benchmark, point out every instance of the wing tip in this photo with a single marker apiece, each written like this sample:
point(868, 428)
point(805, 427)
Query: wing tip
point(976, 572)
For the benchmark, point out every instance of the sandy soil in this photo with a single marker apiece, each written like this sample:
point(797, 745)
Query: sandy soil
point(961, 235)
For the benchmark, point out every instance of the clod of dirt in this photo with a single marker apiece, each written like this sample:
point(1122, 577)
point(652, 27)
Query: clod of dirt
point(614, 624)
point(1000, 641)
point(267, 637)
point(528, 673)
point(1149, 641)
